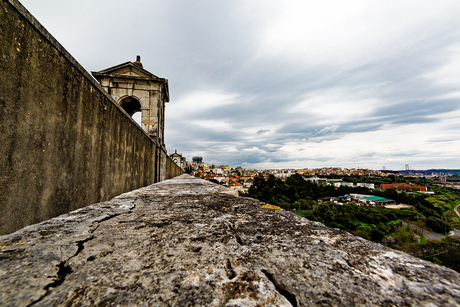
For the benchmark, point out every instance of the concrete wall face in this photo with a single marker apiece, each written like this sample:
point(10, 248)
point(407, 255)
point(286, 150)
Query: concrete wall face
point(64, 142)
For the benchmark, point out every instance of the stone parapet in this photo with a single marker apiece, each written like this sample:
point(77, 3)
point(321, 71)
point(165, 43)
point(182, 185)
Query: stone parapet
point(188, 242)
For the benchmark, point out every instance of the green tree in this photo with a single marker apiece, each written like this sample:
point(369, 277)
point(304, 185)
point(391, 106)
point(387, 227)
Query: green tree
point(266, 194)
point(362, 233)
point(404, 235)
point(376, 235)
point(329, 216)
point(437, 224)
point(259, 182)
point(297, 205)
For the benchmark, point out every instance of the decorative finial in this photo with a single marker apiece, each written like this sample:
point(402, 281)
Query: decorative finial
point(138, 61)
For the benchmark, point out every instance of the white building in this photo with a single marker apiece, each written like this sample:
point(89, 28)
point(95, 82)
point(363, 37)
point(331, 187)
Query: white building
point(217, 171)
point(366, 185)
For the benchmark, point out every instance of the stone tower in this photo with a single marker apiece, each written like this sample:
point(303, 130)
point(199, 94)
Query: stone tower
point(137, 90)
point(177, 158)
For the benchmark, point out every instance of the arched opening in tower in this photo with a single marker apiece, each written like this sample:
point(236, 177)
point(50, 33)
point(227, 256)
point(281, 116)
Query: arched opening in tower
point(133, 107)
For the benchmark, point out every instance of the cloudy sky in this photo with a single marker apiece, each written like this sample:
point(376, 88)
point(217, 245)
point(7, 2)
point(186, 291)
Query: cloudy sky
point(286, 84)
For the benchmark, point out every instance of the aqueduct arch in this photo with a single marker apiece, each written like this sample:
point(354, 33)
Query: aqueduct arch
point(136, 89)
point(130, 104)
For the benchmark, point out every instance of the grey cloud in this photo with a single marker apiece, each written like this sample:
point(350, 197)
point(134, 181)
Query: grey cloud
point(411, 153)
point(442, 139)
point(418, 111)
point(262, 131)
point(369, 155)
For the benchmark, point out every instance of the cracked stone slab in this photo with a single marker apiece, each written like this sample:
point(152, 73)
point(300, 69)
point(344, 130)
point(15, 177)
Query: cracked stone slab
point(188, 242)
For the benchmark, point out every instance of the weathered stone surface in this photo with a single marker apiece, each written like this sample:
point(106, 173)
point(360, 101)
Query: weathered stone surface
point(184, 242)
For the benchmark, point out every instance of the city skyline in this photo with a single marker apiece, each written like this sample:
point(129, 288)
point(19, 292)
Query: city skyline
point(260, 85)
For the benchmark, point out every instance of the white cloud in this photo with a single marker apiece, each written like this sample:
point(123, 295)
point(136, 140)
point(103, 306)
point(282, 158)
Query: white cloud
point(332, 106)
point(217, 125)
point(447, 74)
point(329, 129)
point(351, 33)
point(196, 102)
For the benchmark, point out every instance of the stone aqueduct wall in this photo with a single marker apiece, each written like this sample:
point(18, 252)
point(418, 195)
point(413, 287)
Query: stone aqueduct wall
point(64, 142)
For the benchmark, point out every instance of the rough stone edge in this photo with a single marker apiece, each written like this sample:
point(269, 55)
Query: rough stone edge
point(377, 268)
point(184, 179)
point(115, 206)
point(50, 38)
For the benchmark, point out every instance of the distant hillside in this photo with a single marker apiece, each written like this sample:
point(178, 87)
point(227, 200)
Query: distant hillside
point(431, 171)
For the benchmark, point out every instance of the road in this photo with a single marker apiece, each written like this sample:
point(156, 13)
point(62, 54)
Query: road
point(430, 235)
point(456, 233)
